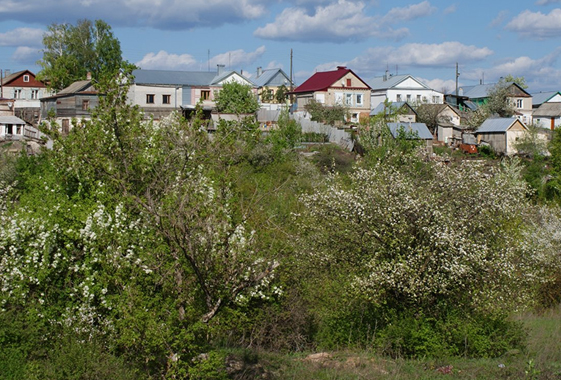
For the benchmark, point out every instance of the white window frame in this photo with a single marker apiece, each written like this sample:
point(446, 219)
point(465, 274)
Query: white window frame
point(359, 100)
point(26, 78)
point(349, 99)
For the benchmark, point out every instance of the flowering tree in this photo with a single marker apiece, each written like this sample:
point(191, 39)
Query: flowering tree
point(453, 234)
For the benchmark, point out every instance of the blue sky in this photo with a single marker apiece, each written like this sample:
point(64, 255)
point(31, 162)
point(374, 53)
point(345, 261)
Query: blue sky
point(488, 39)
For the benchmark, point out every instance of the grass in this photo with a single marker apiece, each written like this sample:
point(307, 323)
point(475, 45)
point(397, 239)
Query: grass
point(540, 361)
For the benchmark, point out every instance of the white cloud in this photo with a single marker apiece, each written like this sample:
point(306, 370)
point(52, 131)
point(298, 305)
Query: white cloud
point(445, 54)
point(545, 2)
point(411, 12)
point(451, 9)
point(536, 25)
point(338, 22)
point(22, 37)
point(26, 55)
point(169, 61)
point(443, 85)
point(237, 58)
point(161, 14)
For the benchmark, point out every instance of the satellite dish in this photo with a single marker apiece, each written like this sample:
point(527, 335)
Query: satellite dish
point(10, 104)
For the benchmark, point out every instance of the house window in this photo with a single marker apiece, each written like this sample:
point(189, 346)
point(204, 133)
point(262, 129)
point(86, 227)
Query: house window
point(9, 129)
point(34, 94)
point(519, 103)
point(436, 99)
point(354, 117)
point(398, 97)
point(85, 105)
point(418, 98)
point(349, 99)
point(359, 100)
point(17, 94)
point(408, 98)
point(166, 99)
point(18, 130)
point(205, 94)
point(349, 82)
point(149, 98)
point(26, 78)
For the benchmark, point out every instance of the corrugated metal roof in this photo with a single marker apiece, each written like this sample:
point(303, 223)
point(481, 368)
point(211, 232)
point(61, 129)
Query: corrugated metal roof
point(267, 76)
point(76, 87)
point(548, 110)
point(476, 92)
point(11, 120)
point(499, 124)
point(181, 78)
point(390, 81)
point(393, 107)
point(321, 81)
point(542, 97)
point(419, 128)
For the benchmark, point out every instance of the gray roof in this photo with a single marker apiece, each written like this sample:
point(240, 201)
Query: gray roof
point(499, 124)
point(11, 120)
point(165, 77)
point(548, 110)
point(419, 128)
point(542, 97)
point(475, 92)
point(380, 108)
point(180, 78)
point(269, 78)
point(390, 81)
point(77, 86)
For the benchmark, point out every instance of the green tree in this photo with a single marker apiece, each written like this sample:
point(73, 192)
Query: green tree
point(70, 52)
point(331, 115)
point(280, 94)
point(236, 98)
point(521, 81)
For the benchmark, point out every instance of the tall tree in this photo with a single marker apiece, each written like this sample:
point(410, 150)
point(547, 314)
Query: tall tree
point(236, 98)
point(70, 52)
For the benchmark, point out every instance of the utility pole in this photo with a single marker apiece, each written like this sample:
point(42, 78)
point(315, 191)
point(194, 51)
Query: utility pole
point(457, 76)
point(291, 82)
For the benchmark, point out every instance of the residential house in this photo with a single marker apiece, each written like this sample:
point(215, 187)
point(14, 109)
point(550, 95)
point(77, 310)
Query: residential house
point(268, 83)
point(547, 109)
point(398, 111)
point(472, 97)
point(26, 91)
point(444, 120)
point(501, 134)
point(160, 92)
point(415, 131)
point(74, 103)
point(338, 87)
point(402, 88)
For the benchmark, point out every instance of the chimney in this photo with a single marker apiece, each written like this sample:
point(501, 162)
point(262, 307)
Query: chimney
point(89, 76)
point(259, 72)
point(220, 69)
point(341, 67)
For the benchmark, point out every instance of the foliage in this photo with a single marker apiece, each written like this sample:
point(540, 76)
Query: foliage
point(72, 51)
point(521, 81)
point(331, 115)
point(430, 115)
point(236, 98)
point(287, 134)
point(401, 239)
point(281, 93)
point(498, 100)
point(534, 142)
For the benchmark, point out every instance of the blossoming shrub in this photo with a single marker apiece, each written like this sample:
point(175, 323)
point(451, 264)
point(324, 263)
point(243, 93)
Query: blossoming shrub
point(433, 240)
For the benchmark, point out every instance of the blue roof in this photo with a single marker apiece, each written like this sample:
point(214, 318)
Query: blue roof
point(476, 92)
point(499, 124)
point(272, 77)
point(419, 128)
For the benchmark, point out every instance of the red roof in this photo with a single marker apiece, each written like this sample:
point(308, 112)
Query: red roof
point(321, 81)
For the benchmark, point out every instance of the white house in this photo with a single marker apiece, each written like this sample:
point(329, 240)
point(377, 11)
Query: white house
point(402, 88)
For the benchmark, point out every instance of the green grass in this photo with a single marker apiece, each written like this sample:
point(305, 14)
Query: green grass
point(540, 361)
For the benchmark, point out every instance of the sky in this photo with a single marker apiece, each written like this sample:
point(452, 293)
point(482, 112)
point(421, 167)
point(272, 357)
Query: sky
point(426, 39)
